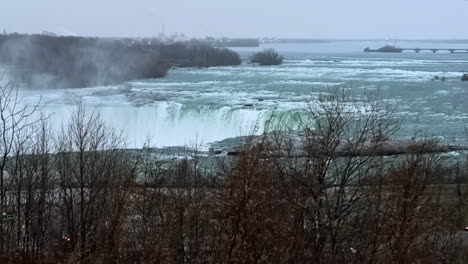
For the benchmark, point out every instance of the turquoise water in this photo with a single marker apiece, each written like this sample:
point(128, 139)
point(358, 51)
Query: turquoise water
point(198, 106)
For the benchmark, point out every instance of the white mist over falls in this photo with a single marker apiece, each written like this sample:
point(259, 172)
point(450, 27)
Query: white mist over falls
point(198, 106)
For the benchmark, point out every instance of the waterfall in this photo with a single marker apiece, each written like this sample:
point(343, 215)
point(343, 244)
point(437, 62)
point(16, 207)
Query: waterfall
point(171, 123)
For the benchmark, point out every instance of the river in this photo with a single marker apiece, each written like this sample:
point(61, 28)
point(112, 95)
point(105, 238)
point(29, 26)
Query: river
point(197, 106)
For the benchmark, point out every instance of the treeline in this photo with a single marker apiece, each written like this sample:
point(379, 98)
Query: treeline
point(78, 197)
point(51, 61)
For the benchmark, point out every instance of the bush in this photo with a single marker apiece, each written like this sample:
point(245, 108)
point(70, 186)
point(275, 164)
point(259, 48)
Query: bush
point(267, 57)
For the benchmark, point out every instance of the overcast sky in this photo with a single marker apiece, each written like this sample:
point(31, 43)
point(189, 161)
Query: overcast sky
point(241, 18)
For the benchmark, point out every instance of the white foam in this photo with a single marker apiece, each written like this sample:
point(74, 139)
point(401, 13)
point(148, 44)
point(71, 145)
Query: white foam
point(312, 83)
point(442, 92)
point(180, 84)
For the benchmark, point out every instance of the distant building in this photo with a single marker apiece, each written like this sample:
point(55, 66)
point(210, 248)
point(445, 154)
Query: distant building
point(237, 42)
point(47, 33)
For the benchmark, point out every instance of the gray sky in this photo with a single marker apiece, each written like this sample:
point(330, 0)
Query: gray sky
point(241, 18)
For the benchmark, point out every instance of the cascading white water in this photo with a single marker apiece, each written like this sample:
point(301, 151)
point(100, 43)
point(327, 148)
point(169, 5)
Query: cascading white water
point(169, 124)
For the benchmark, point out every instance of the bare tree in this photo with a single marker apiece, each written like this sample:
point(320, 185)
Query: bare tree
point(325, 192)
point(16, 119)
point(94, 179)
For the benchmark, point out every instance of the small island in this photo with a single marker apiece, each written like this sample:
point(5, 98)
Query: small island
point(267, 57)
point(465, 77)
point(387, 48)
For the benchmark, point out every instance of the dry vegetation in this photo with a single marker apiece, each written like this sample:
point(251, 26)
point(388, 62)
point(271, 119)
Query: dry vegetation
point(77, 197)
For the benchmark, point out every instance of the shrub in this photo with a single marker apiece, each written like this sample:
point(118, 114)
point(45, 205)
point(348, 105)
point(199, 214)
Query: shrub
point(267, 57)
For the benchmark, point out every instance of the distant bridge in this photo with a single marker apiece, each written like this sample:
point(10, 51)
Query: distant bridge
point(417, 50)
